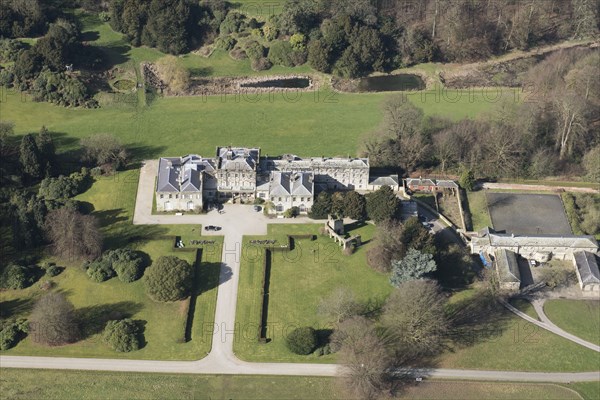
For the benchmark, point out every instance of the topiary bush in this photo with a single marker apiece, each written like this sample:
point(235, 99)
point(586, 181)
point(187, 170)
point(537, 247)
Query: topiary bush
point(169, 279)
point(122, 335)
point(302, 341)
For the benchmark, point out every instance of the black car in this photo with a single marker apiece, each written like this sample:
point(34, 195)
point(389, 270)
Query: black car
point(212, 228)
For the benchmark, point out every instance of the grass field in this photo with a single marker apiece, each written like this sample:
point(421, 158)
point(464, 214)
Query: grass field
point(299, 280)
point(325, 122)
point(113, 199)
point(579, 317)
point(66, 385)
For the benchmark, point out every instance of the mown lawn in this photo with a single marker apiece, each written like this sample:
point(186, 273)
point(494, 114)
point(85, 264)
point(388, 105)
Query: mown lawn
point(299, 280)
point(524, 306)
point(587, 390)
point(504, 341)
point(17, 384)
point(480, 216)
point(579, 317)
point(325, 122)
point(112, 200)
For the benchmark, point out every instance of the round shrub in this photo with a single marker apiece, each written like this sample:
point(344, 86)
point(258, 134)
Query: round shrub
point(302, 341)
point(9, 336)
point(95, 172)
point(238, 54)
point(261, 64)
point(225, 43)
point(99, 270)
point(254, 50)
point(169, 279)
point(53, 270)
point(15, 277)
point(122, 335)
point(279, 53)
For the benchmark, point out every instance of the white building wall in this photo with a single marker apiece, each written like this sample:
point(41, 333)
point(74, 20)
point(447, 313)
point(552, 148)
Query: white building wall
point(178, 201)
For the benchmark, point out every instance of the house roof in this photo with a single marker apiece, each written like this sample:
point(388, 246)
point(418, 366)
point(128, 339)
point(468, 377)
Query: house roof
point(576, 242)
point(447, 184)
point(289, 162)
point(289, 183)
point(390, 180)
point(238, 158)
point(587, 265)
point(182, 174)
point(508, 267)
point(419, 182)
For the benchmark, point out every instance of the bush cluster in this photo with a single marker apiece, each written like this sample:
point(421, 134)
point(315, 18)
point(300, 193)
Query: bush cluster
point(11, 332)
point(17, 276)
point(64, 187)
point(127, 264)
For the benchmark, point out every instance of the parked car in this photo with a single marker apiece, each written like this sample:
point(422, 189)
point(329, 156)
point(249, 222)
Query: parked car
point(257, 208)
point(212, 228)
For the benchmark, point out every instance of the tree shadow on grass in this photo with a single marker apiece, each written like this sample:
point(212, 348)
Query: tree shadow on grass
point(323, 336)
point(93, 319)
point(16, 307)
point(133, 235)
point(110, 217)
point(144, 152)
point(354, 225)
point(90, 36)
point(476, 319)
point(141, 324)
point(200, 71)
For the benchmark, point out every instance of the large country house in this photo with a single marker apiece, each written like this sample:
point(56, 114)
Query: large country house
point(185, 183)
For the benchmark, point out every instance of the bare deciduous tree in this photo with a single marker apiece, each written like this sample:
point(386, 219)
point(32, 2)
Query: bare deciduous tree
point(415, 318)
point(364, 357)
point(73, 236)
point(339, 305)
point(53, 321)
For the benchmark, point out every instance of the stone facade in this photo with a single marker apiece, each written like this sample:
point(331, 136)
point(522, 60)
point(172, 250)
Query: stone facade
point(240, 173)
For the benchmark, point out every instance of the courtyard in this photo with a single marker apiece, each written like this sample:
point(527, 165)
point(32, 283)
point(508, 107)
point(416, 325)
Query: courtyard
point(527, 214)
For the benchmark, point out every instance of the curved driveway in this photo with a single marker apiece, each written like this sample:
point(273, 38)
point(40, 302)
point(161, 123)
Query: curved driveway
point(238, 221)
point(548, 325)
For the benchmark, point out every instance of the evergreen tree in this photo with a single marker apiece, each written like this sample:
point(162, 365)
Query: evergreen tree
point(321, 207)
point(46, 150)
point(413, 266)
point(382, 204)
point(30, 157)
